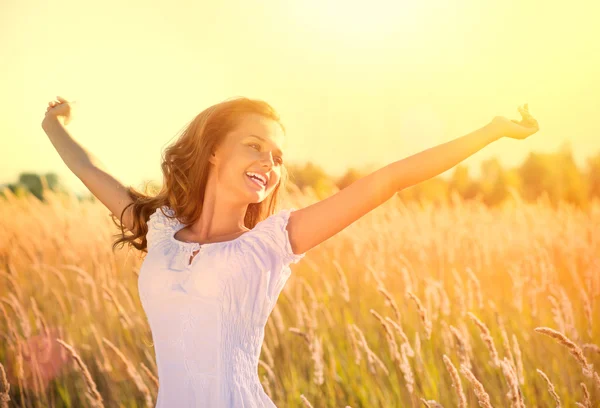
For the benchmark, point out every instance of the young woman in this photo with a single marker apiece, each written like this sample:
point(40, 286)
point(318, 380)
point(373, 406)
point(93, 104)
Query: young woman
point(218, 250)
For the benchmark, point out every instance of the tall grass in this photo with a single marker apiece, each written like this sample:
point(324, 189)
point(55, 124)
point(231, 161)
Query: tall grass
point(413, 305)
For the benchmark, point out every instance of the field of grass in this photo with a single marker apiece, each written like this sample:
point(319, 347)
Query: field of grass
point(413, 305)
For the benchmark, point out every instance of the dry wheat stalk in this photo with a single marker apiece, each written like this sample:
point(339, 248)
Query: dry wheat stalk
point(363, 343)
point(269, 370)
point(277, 319)
point(462, 349)
point(587, 402)
point(432, 300)
point(390, 302)
point(354, 344)
point(105, 366)
point(268, 354)
point(557, 313)
point(21, 380)
point(316, 351)
point(487, 339)
point(5, 389)
point(406, 278)
point(376, 275)
point(422, 313)
point(60, 301)
point(405, 340)
point(124, 317)
point(482, 396)
point(40, 321)
point(265, 383)
point(590, 346)
point(431, 403)
point(298, 310)
point(372, 359)
point(406, 369)
point(517, 291)
point(572, 347)
point(506, 343)
point(300, 333)
point(92, 394)
point(459, 292)
point(469, 296)
point(305, 401)
point(14, 333)
point(475, 280)
point(315, 348)
point(345, 291)
point(273, 333)
point(126, 295)
point(314, 304)
point(391, 340)
point(418, 355)
point(587, 309)
point(514, 395)
point(150, 374)
point(551, 388)
point(519, 360)
point(456, 384)
point(445, 300)
point(447, 339)
point(23, 317)
point(84, 276)
point(567, 308)
point(135, 376)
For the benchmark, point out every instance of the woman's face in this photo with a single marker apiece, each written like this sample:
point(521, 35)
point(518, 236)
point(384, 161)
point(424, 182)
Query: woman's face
point(255, 146)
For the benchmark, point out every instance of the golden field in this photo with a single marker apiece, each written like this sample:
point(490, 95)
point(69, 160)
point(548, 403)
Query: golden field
point(453, 305)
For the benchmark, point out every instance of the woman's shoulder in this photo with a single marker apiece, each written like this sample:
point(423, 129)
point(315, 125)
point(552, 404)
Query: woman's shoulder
point(270, 238)
point(161, 223)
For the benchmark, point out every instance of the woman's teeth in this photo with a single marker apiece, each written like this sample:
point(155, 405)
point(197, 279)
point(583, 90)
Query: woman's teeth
point(260, 184)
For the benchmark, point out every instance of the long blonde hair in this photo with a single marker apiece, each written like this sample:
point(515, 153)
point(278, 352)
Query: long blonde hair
point(185, 168)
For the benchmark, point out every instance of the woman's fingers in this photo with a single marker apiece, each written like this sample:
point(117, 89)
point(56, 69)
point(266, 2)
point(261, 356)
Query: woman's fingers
point(525, 113)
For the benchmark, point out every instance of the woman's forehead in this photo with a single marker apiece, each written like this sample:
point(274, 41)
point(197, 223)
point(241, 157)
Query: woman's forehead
point(259, 123)
point(263, 128)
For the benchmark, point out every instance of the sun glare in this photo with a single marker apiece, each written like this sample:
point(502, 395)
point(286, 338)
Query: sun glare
point(355, 20)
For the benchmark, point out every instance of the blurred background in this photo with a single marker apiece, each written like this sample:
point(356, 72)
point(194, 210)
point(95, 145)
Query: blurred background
point(358, 85)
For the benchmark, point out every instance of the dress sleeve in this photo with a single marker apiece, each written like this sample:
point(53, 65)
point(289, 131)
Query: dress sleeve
point(273, 234)
point(273, 252)
point(159, 227)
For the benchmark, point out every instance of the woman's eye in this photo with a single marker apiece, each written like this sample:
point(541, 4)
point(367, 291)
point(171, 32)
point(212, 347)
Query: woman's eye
point(279, 159)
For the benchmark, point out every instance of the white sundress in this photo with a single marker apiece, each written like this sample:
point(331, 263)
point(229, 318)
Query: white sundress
point(208, 318)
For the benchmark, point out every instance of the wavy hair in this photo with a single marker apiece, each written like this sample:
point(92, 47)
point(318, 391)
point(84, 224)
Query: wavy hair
point(185, 169)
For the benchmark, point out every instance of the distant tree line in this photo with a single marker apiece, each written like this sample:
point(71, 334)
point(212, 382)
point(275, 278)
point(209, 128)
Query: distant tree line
point(553, 175)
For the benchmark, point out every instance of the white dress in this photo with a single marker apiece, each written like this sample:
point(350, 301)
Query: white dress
point(208, 318)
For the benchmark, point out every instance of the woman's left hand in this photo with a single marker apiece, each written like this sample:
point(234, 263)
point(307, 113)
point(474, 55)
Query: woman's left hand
point(515, 129)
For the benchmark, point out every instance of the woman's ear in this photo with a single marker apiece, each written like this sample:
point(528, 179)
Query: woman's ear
point(212, 157)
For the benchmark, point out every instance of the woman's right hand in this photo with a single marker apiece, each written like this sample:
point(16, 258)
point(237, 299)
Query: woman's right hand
point(516, 129)
point(60, 109)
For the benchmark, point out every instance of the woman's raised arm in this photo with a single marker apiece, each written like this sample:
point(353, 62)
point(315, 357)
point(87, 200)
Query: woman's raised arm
point(311, 225)
point(84, 165)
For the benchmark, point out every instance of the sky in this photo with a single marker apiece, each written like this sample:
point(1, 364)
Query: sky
point(356, 83)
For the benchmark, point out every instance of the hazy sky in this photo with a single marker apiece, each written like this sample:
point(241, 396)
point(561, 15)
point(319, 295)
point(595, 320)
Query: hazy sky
point(355, 82)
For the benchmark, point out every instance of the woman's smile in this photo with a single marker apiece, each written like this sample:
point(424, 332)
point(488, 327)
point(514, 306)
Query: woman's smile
point(255, 183)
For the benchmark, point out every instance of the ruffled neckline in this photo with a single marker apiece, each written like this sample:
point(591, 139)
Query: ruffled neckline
point(181, 251)
point(186, 244)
